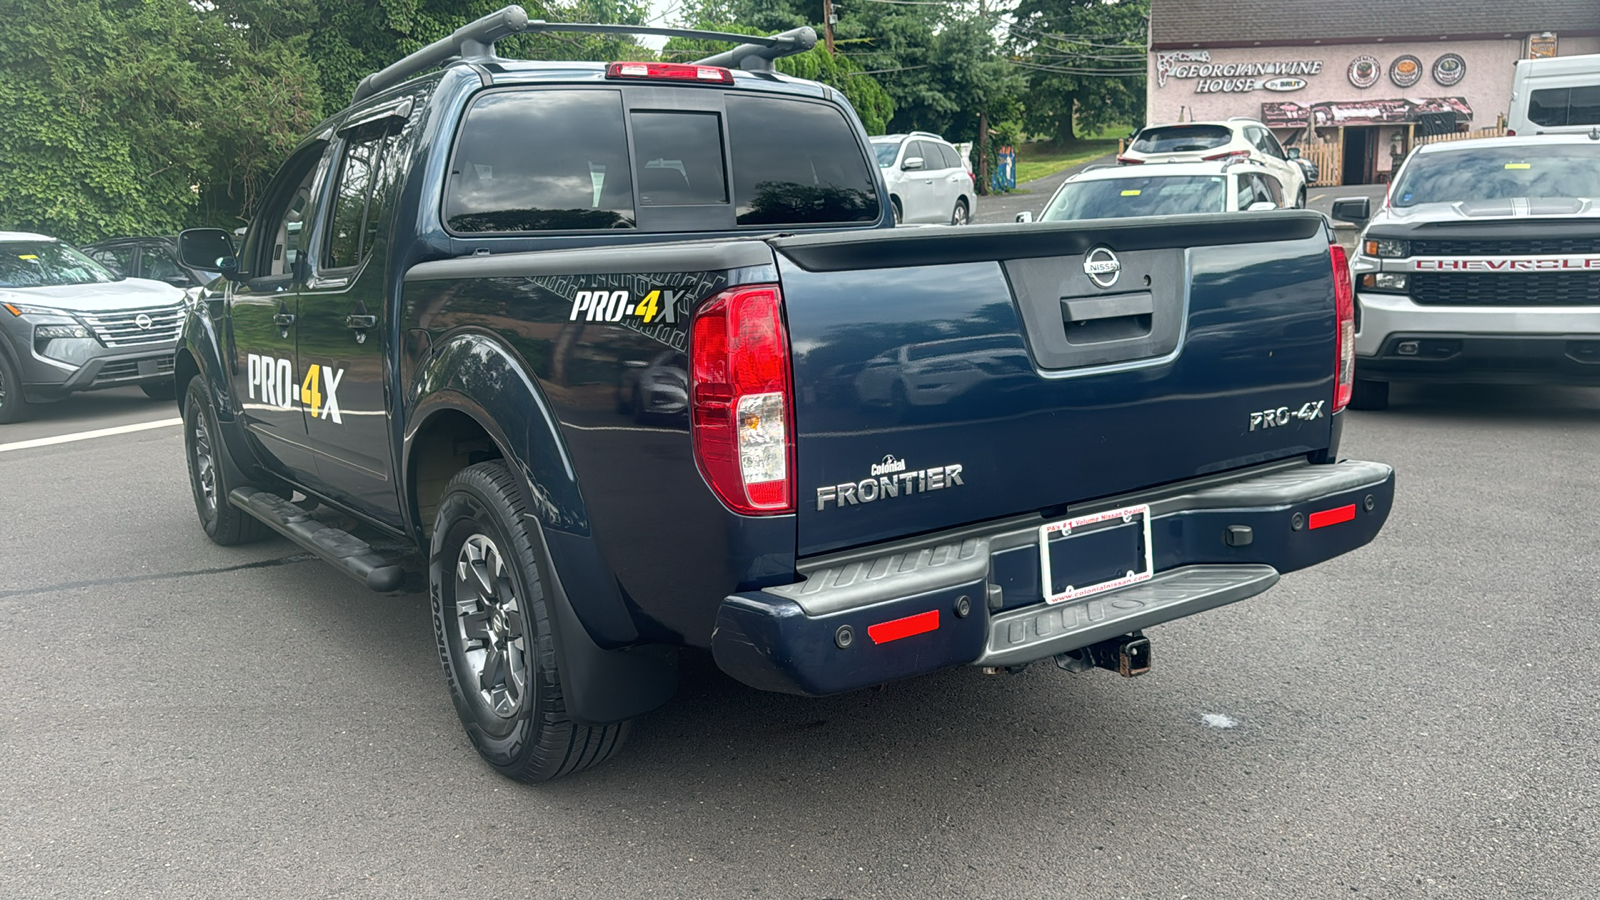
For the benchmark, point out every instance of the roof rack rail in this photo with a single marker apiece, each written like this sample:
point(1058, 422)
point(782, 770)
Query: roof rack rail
point(474, 42)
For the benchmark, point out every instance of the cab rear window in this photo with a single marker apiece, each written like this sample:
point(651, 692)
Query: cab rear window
point(560, 160)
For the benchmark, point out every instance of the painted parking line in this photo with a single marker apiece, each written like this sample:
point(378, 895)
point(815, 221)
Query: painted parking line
point(1318, 197)
point(87, 435)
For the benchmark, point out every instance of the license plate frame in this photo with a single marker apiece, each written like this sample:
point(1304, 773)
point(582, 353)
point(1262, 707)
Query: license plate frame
point(1065, 527)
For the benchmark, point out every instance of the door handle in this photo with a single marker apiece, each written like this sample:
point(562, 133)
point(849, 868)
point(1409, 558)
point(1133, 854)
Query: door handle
point(283, 319)
point(360, 322)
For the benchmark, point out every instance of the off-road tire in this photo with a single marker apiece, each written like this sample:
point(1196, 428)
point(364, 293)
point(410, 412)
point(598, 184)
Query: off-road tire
point(531, 737)
point(1369, 394)
point(211, 476)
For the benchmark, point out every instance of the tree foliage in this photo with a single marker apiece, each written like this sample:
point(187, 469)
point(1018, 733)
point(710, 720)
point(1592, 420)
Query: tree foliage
point(141, 116)
point(1085, 61)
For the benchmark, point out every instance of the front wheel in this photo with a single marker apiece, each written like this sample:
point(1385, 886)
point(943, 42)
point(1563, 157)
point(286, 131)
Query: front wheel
point(494, 633)
point(1300, 201)
point(959, 216)
point(210, 477)
point(13, 406)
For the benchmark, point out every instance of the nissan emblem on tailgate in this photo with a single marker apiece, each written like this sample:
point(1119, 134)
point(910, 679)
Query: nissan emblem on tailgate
point(1102, 267)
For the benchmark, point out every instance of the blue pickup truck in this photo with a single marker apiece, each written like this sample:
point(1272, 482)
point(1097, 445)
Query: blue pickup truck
point(626, 358)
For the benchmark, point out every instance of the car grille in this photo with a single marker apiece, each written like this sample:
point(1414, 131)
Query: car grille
point(1506, 288)
point(1525, 247)
point(124, 369)
point(127, 328)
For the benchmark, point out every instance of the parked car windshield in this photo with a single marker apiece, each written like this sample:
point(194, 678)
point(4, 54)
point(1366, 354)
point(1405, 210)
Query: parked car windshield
point(1149, 195)
point(1181, 138)
point(25, 264)
point(1501, 173)
point(886, 152)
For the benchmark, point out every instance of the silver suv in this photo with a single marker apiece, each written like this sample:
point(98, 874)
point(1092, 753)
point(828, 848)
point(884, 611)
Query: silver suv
point(926, 179)
point(69, 324)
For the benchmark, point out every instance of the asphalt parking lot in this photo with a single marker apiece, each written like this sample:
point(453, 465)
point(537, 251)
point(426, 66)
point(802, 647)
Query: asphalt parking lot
point(1416, 719)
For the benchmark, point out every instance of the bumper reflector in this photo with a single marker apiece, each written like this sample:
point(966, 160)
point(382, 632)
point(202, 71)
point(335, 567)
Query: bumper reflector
point(1333, 516)
point(921, 623)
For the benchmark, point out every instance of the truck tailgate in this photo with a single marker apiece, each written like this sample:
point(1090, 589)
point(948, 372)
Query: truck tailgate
point(948, 376)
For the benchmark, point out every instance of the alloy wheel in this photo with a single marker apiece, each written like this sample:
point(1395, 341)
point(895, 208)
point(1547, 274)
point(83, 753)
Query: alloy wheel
point(489, 619)
point(205, 470)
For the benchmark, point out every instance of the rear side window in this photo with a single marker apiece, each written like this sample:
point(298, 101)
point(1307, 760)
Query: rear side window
point(1556, 107)
point(797, 163)
point(541, 161)
point(948, 155)
point(1181, 138)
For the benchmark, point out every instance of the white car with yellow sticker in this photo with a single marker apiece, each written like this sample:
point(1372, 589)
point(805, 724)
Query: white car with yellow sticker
point(1164, 189)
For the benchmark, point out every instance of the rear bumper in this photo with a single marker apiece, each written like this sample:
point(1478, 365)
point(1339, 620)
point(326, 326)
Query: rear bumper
point(872, 616)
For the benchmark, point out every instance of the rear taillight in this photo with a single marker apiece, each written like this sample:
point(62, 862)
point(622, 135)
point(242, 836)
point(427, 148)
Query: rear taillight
point(1344, 301)
point(1129, 161)
point(1227, 155)
point(741, 399)
point(679, 72)
point(1511, 132)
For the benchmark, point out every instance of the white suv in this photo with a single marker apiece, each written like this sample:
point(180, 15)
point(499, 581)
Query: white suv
point(925, 177)
point(1205, 141)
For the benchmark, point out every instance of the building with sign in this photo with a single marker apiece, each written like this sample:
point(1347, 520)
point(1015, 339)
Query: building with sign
point(1354, 83)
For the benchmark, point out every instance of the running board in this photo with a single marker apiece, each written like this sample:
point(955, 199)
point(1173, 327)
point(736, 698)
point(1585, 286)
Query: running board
point(1035, 632)
point(347, 553)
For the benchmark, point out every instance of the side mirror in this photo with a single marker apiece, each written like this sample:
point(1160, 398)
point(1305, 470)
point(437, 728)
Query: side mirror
point(1352, 209)
point(912, 163)
point(1261, 206)
point(1294, 152)
point(1024, 216)
point(182, 281)
point(208, 248)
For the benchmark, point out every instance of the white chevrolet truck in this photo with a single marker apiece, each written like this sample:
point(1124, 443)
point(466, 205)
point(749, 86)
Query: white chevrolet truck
point(1482, 266)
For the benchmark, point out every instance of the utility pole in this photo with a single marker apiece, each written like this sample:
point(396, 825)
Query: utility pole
point(827, 24)
point(983, 126)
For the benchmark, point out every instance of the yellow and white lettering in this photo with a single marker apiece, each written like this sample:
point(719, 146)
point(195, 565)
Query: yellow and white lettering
point(581, 303)
point(281, 388)
point(619, 305)
point(330, 389)
point(253, 373)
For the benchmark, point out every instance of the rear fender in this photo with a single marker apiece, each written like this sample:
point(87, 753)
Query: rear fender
point(473, 374)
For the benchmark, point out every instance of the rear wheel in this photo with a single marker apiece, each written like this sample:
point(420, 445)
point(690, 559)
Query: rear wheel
point(1369, 394)
point(959, 215)
point(899, 216)
point(1300, 201)
point(13, 406)
point(495, 637)
point(209, 475)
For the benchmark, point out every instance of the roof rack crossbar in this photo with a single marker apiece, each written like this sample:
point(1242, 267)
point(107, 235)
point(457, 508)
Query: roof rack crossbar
point(475, 41)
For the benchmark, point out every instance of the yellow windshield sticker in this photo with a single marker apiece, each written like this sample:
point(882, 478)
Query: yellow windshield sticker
point(1130, 193)
point(28, 256)
point(1519, 165)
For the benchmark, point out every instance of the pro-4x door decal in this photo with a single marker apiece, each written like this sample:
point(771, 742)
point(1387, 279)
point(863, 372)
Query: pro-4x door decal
point(273, 382)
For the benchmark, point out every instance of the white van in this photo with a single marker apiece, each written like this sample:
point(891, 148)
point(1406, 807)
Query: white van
point(1556, 95)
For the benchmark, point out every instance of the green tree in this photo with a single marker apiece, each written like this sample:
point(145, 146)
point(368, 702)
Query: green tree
point(1085, 61)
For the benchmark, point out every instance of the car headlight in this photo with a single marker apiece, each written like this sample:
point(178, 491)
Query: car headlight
point(51, 332)
point(1386, 248)
point(18, 309)
point(1394, 282)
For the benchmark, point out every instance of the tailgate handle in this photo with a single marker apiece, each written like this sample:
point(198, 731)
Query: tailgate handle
point(1117, 307)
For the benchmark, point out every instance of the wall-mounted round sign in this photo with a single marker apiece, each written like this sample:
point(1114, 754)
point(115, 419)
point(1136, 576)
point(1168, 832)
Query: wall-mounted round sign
point(1284, 84)
point(1405, 71)
point(1449, 69)
point(1365, 71)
